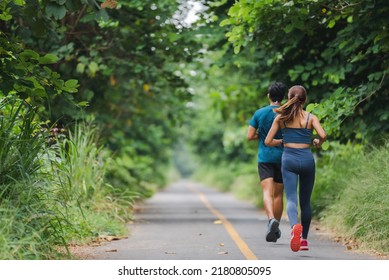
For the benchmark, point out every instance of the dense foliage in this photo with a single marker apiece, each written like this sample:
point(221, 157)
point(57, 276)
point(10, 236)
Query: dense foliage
point(145, 80)
point(67, 62)
point(125, 56)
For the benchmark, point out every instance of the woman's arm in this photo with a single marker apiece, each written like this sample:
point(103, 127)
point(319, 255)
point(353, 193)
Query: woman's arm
point(270, 141)
point(320, 132)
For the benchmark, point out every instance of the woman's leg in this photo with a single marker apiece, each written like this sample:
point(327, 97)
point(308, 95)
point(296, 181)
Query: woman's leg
point(307, 180)
point(290, 179)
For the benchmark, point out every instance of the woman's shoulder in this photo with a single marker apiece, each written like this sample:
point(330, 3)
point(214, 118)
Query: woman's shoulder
point(309, 114)
point(312, 118)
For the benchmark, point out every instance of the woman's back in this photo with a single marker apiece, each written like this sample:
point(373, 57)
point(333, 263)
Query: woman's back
point(298, 132)
point(301, 121)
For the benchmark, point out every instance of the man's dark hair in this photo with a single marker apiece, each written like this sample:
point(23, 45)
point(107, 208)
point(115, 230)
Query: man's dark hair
point(277, 91)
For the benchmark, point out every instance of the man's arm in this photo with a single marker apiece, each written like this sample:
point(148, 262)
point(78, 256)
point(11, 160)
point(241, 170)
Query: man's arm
point(252, 133)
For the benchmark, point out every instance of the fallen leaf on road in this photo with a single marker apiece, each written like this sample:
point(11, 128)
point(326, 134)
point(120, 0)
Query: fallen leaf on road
point(222, 253)
point(111, 238)
point(217, 222)
point(113, 250)
point(170, 253)
point(221, 244)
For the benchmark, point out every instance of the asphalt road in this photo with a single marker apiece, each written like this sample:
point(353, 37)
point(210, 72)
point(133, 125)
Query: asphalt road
point(188, 221)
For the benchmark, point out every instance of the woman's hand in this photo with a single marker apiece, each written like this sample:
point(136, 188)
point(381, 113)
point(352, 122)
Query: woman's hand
point(317, 143)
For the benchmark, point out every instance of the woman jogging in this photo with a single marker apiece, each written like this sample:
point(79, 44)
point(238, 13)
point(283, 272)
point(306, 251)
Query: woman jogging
point(298, 164)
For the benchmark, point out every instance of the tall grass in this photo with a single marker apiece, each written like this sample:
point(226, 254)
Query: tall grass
point(53, 195)
point(334, 169)
point(78, 165)
point(25, 217)
point(362, 209)
point(89, 206)
point(19, 237)
point(19, 141)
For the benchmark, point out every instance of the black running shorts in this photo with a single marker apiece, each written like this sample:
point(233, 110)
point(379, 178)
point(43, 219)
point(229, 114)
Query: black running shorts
point(270, 170)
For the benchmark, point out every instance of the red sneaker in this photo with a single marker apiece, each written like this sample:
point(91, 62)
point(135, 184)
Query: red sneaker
point(295, 241)
point(304, 245)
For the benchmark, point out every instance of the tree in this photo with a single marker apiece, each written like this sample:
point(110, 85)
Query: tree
point(126, 57)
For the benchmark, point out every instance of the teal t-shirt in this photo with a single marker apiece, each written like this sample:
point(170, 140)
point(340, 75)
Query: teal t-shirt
point(262, 121)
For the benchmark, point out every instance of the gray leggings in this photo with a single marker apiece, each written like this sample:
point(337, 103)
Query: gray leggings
point(298, 165)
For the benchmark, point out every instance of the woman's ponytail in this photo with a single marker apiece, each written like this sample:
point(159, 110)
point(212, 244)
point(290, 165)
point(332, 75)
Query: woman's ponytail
point(291, 109)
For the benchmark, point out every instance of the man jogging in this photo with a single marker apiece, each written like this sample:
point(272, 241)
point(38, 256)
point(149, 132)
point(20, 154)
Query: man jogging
point(269, 160)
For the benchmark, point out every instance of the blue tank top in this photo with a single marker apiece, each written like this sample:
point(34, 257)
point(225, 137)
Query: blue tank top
point(297, 135)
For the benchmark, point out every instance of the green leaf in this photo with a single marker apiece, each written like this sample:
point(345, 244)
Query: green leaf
point(331, 23)
point(83, 103)
point(71, 86)
point(325, 146)
point(48, 59)
point(93, 67)
point(29, 54)
point(5, 17)
point(311, 107)
point(80, 68)
point(19, 2)
point(289, 28)
point(56, 11)
point(40, 92)
point(217, 3)
point(305, 76)
point(71, 83)
point(225, 22)
point(173, 37)
point(234, 10)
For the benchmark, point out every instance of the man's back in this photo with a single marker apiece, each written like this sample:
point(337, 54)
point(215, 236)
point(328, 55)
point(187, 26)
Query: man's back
point(262, 120)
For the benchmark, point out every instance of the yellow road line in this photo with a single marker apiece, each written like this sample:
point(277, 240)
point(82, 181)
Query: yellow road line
point(243, 247)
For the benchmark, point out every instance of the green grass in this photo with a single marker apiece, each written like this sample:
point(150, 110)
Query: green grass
point(78, 165)
point(361, 212)
point(88, 205)
point(333, 172)
point(53, 195)
point(26, 230)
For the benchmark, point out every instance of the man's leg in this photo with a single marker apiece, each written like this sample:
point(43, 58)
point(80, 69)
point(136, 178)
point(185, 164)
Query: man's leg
point(278, 202)
point(268, 201)
point(266, 173)
point(267, 193)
